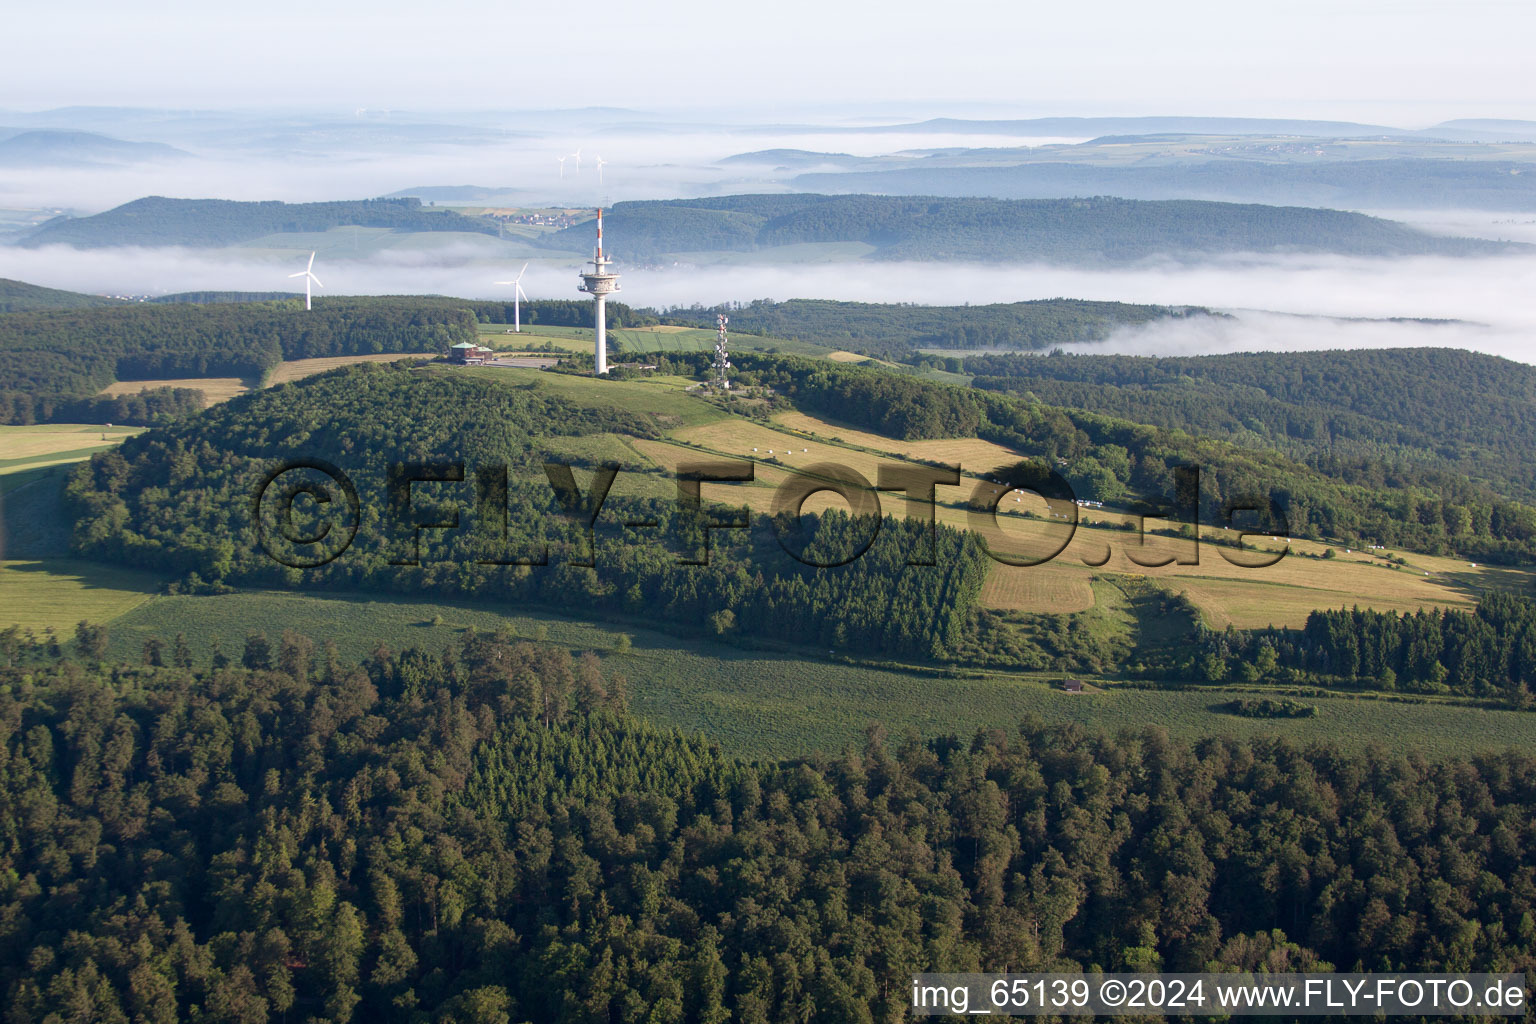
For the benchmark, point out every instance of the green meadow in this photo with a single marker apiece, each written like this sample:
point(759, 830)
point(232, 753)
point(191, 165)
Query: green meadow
point(769, 703)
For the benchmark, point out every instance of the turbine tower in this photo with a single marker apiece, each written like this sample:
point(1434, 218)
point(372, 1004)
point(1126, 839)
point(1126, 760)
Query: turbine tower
point(517, 294)
point(722, 363)
point(308, 274)
point(598, 283)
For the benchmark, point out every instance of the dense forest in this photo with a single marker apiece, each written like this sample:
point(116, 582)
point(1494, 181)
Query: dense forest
point(896, 331)
point(146, 408)
point(562, 313)
point(49, 361)
point(1097, 230)
point(54, 361)
point(1373, 416)
point(179, 499)
point(1486, 653)
point(208, 223)
point(208, 297)
point(481, 835)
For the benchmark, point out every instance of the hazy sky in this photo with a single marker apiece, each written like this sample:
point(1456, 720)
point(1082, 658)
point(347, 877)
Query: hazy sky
point(1406, 62)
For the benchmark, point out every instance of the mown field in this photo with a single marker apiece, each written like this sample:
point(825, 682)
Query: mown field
point(59, 592)
point(24, 447)
point(222, 389)
point(297, 369)
point(772, 704)
point(214, 389)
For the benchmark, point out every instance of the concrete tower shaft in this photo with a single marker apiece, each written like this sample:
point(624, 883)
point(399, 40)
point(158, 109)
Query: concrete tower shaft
point(599, 283)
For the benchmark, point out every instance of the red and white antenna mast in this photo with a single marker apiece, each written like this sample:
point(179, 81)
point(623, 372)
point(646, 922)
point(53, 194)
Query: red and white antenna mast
point(599, 282)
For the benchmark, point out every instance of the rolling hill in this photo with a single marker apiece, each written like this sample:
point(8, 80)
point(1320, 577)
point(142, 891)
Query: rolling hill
point(20, 297)
point(1074, 231)
point(897, 330)
point(69, 148)
point(209, 223)
point(1407, 183)
point(1367, 414)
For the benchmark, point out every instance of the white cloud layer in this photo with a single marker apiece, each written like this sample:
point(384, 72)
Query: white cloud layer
point(1496, 297)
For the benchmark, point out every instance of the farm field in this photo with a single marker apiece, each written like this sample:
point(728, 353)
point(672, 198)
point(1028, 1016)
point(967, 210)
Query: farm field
point(58, 593)
point(214, 389)
point(1019, 589)
point(660, 396)
point(767, 704)
point(43, 444)
point(1279, 595)
point(298, 369)
point(973, 455)
point(222, 389)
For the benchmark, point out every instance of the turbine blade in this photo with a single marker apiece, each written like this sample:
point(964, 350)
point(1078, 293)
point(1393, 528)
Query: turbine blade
point(302, 273)
point(311, 262)
point(315, 279)
point(520, 273)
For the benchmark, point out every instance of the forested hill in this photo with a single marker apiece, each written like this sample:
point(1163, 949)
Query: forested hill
point(44, 368)
point(889, 329)
point(205, 223)
point(20, 297)
point(1078, 231)
point(1392, 183)
point(1465, 413)
point(481, 834)
point(179, 497)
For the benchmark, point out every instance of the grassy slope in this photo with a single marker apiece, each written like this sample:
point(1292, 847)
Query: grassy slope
point(772, 704)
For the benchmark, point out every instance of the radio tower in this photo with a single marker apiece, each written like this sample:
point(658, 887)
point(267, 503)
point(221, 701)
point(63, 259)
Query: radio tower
point(721, 362)
point(598, 284)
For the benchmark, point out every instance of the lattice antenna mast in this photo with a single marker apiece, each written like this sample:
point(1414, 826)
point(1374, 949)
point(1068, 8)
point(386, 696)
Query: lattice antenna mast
point(722, 362)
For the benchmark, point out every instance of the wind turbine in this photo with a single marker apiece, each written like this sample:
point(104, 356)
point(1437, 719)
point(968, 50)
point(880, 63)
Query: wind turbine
point(562, 160)
point(600, 162)
point(577, 157)
point(309, 278)
point(517, 293)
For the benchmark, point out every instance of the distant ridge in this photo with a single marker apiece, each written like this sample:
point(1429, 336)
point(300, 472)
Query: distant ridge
point(1071, 231)
point(209, 298)
point(1402, 182)
point(1090, 127)
point(20, 297)
point(51, 148)
point(207, 223)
